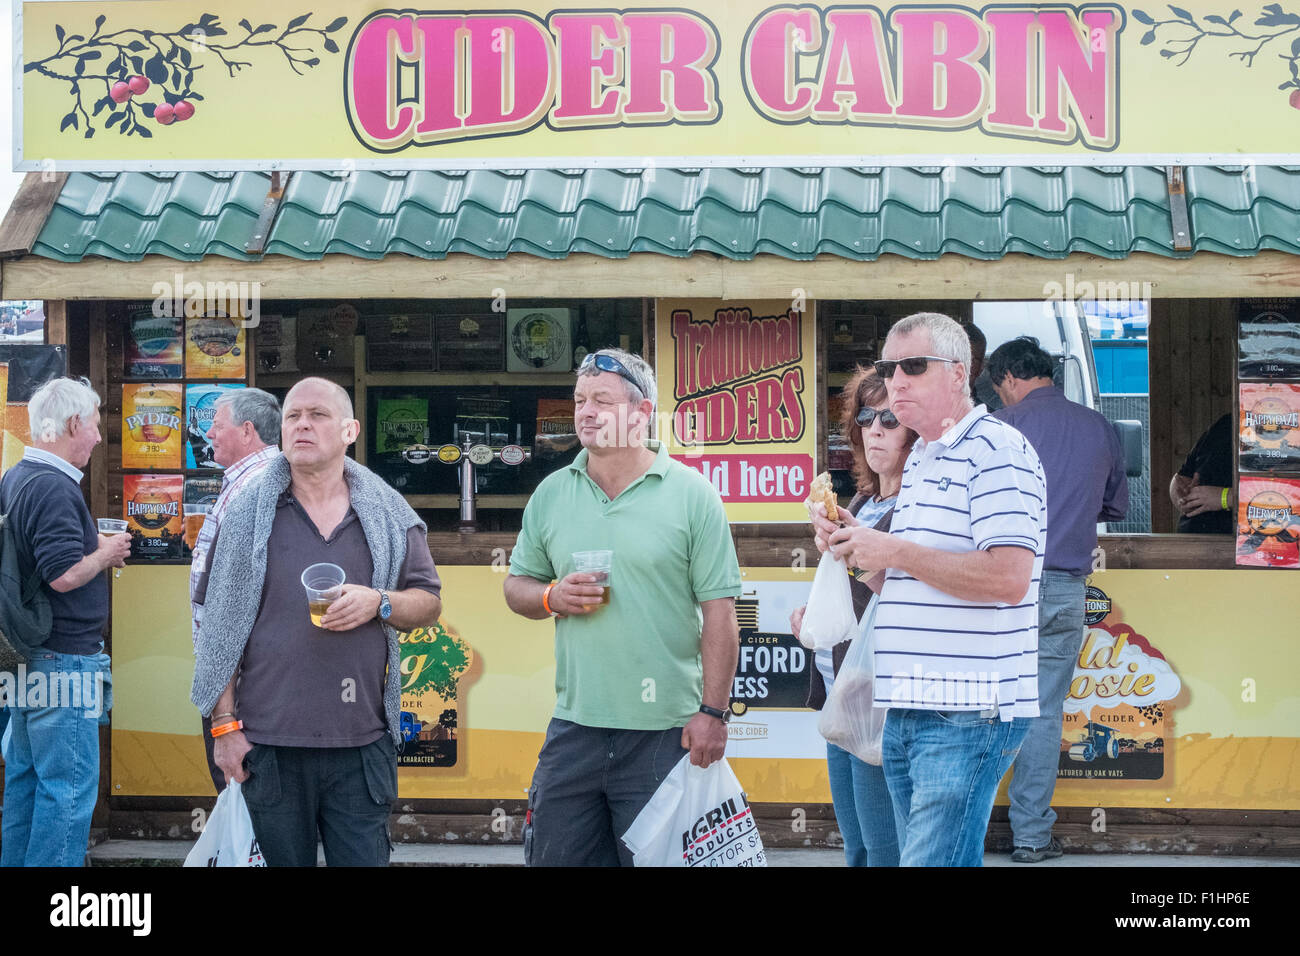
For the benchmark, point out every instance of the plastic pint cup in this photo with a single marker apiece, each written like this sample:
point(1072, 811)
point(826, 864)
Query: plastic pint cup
point(195, 515)
point(599, 563)
point(324, 585)
point(109, 527)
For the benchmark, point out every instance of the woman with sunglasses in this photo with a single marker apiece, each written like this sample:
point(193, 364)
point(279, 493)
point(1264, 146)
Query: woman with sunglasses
point(880, 448)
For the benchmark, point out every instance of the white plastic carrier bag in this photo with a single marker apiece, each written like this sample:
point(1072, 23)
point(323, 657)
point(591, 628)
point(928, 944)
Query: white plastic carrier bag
point(697, 817)
point(829, 618)
point(227, 838)
point(848, 718)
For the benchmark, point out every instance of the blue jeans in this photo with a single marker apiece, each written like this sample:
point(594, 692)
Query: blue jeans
point(862, 810)
point(52, 760)
point(1033, 781)
point(943, 769)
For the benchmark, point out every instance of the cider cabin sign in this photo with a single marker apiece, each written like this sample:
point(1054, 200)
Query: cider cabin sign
point(269, 84)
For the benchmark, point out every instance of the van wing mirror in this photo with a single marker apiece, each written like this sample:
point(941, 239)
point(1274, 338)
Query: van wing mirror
point(1130, 440)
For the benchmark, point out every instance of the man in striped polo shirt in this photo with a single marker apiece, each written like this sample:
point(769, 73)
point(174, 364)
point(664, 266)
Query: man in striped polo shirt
point(956, 629)
point(245, 437)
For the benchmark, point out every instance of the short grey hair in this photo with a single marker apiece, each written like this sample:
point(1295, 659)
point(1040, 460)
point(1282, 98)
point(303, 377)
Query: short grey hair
point(253, 405)
point(947, 339)
point(640, 370)
point(57, 401)
point(341, 396)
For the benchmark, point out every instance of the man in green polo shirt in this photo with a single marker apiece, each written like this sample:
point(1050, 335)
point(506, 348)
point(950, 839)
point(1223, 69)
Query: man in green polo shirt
point(646, 678)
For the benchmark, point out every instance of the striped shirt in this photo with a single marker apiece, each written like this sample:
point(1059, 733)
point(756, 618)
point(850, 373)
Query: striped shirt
point(979, 486)
point(237, 477)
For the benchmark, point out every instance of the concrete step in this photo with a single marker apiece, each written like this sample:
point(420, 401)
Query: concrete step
point(173, 853)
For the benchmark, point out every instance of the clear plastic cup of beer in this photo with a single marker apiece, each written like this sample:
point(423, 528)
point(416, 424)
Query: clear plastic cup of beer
point(324, 585)
point(599, 563)
point(109, 527)
point(195, 515)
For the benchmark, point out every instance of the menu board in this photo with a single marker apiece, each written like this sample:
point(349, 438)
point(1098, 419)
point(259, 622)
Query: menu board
point(200, 408)
point(151, 505)
point(215, 347)
point(153, 347)
point(151, 425)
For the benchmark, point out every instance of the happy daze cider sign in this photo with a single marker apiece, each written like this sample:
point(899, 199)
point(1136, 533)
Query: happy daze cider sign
point(341, 84)
point(736, 389)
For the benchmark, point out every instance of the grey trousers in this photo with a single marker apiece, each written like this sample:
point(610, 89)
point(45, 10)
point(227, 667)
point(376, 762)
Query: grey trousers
point(589, 785)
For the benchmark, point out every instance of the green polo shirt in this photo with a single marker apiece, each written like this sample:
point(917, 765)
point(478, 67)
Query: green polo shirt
point(635, 663)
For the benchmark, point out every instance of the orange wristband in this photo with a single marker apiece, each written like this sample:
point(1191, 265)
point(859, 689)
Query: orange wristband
point(546, 600)
point(229, 728)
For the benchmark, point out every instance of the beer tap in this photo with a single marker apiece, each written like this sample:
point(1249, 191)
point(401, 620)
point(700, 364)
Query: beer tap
point(469, 456)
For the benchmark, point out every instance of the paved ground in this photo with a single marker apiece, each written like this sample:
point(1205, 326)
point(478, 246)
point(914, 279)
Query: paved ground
point(172, 853)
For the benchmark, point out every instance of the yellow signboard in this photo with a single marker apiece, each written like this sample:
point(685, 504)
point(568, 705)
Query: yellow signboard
point(122, 84)
point(1227, 739)
point(736, 400)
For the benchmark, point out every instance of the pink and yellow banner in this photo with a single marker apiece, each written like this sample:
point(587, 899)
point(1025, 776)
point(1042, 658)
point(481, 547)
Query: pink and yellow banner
point(135, 84)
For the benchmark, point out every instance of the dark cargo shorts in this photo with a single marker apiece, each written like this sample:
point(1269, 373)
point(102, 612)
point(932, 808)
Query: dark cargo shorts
point(589, 785)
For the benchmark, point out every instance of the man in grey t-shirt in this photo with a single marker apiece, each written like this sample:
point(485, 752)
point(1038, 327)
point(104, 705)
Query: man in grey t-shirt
point(306, 717)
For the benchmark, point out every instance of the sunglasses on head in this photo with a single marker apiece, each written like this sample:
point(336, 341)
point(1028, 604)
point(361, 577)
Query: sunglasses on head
point(916, 365)
point(607, 363)
point(868, 415)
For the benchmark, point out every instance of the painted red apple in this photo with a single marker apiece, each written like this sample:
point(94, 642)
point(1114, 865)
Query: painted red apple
point(164, 113)
point(183, 110)
point(1295, 99)
point(138, 84)
point(120, 92)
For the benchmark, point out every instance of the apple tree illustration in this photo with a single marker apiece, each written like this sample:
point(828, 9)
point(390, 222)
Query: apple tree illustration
point(142, 73)
point(1181, 33)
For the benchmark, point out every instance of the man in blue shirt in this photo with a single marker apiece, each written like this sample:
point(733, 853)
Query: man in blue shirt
point(51, 747)
point(1086, 483)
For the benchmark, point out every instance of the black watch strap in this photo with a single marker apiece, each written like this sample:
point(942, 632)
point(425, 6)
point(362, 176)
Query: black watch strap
point(722, 715)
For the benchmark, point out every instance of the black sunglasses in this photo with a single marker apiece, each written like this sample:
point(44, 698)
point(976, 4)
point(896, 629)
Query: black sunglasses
point(607, 363)
point(868, 415)
point(916, 365)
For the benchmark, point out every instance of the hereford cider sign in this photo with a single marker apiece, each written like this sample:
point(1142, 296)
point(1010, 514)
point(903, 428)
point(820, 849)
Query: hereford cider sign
point(134, 84)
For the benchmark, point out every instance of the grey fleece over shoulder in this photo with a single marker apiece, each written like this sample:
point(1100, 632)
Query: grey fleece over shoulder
point(239, 574)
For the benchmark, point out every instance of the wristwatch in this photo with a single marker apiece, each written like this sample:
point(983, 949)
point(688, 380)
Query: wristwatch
point(385, 607)
point(722, 715)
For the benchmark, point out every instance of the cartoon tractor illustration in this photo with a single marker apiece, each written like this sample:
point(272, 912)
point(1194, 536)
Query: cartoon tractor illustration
point(410, 726)
point(1100, 742)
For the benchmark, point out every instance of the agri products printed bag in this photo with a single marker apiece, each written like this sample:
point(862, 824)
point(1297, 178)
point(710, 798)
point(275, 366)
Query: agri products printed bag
point(227, 839)
point(697, 817)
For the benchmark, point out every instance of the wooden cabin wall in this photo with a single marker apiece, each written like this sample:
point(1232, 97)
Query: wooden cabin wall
point(1192, 354)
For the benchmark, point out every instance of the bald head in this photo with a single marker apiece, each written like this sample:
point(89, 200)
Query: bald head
point(337, 393)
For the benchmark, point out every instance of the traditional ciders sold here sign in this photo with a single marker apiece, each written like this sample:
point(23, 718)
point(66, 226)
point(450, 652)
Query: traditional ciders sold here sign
point(339, 84)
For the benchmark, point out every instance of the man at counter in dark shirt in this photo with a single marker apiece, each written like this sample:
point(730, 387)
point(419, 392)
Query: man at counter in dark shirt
point(1202, 490)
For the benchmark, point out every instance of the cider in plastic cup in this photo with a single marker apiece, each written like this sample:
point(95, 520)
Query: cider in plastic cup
point(324, 585)
point(598, 563)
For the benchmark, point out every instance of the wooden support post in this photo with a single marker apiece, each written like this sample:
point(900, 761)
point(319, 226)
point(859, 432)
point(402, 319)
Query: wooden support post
point(98, 344)
point(56, 322)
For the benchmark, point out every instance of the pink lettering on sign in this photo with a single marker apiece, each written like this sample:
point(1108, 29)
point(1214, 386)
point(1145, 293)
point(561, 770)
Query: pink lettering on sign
point(669, 55)
point(941, 79)
point(1079, 70)
point(377, 51)
point(1023, 71)
point(591, 62)
point(430, 77)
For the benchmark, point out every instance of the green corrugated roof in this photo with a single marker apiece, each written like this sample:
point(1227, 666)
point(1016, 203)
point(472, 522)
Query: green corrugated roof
point(856, 213)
